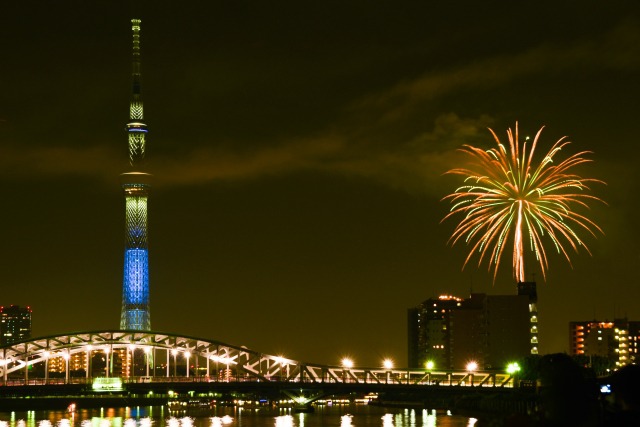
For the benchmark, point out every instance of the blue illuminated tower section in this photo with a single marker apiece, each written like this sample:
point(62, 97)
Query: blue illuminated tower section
point(135, 284)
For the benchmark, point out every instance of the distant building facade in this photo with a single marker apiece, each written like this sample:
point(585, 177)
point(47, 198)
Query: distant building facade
point(15, 324)
point(617, 340)
point(491, 330)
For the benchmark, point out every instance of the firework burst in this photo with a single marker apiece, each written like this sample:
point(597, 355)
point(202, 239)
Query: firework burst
point(507, 199)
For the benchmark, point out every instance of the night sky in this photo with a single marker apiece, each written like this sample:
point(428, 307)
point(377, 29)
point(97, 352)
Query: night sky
point(298, 150)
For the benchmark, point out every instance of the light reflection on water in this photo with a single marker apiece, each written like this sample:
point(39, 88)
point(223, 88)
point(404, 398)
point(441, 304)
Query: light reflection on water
point(345, 420)
point(284, 421)
point(342, 415)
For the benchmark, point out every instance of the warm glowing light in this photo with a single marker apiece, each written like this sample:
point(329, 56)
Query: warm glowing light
point(175, 352)
point(512, 368)
point(107, 384)
point(347, 363)
point(219, 421)
point(388, 364)
point(346, 420)
point(449, 297)
point(430, 365)
point(187, 354)
point(472, 366)
point(222, 359)
point(507, 199)
point(284, 421)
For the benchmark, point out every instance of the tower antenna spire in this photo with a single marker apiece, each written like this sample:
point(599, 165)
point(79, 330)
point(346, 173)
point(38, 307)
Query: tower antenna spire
point(136, 127)
point(135, 285)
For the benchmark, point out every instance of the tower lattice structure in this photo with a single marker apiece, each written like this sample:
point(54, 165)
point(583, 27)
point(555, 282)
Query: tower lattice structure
point(135, 285)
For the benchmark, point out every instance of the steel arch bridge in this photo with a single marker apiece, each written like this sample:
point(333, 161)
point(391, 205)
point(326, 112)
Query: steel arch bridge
point(145, 356)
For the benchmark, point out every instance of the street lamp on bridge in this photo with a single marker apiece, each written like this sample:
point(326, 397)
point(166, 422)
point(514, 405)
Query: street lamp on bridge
point(388, 365)
point(471, 368)
point(347, 364)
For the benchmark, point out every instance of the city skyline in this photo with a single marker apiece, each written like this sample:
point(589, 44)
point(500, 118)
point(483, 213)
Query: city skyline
point(298, 156)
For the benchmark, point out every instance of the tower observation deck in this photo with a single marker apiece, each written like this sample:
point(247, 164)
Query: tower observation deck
point(135, 284)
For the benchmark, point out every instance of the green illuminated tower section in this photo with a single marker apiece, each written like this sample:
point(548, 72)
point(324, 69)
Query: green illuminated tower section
point(135, 284)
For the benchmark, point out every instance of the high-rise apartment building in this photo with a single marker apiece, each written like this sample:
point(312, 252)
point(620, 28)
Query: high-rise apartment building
point(15, 324)
point(491, 330)
point(617, 340)
point(429, 332)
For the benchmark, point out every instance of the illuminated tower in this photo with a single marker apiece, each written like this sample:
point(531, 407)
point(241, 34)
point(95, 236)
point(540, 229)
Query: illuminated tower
point(135, 284)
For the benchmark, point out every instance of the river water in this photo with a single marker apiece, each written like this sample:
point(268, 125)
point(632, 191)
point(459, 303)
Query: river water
point(353, 415)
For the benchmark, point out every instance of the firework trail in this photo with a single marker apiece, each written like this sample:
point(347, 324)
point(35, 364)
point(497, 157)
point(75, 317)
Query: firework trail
point(508, 199)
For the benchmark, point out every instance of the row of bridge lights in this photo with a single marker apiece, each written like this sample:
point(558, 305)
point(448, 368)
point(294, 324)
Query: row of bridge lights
point(187, 354)
point(471, 367)
point(147, 349)
point(347, 363)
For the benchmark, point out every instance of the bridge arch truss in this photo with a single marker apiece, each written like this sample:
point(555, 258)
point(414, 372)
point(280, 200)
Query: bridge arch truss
point(137, 356)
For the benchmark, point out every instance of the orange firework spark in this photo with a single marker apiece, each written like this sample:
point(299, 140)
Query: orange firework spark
point(507, 198)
